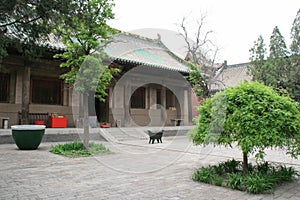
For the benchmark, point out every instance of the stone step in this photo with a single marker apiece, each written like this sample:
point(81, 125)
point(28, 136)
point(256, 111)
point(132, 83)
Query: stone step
point(122, 134)
point(56, 135)
point(101, 134)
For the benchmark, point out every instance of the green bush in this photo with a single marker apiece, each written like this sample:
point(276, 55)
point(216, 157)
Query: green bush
point(258, 183)
point(261, 178)
point(219, 169)
point(231, 166)
point(265, 168)
point(286, 174)
point(218, 181)
point(251, 115)
point(206, 175)
point(235, 180)
point(76, 149)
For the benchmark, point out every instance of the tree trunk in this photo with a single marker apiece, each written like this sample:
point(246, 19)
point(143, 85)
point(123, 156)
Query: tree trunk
point(80, 111)
point(245, 163)
point(86, 134)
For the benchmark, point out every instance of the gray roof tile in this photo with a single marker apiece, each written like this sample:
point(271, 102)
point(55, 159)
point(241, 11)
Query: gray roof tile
point(139, 50)
point(231, 76)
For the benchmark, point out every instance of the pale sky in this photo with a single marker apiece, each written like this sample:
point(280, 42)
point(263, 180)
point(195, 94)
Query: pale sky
point(236, 23)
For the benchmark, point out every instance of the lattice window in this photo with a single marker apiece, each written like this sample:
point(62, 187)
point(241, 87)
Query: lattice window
point(170, 100)
point(46, 91)
point(138, 98)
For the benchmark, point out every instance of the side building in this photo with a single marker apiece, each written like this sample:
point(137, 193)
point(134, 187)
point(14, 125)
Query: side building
point(230, 76)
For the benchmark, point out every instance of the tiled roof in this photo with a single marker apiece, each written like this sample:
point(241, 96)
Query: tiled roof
point(230, 76)
point(54, 44)
point(135, 49)
point(144, 51)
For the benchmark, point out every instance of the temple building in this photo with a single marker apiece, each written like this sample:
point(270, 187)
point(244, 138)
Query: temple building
point(151, 89)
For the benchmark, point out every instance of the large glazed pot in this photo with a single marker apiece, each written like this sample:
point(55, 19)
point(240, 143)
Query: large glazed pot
point(28, 137)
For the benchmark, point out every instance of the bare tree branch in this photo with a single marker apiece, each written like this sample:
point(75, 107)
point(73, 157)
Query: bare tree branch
point(203, 53)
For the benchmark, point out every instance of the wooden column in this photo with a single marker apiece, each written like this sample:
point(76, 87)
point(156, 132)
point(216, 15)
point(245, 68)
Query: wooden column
point(152, 98)
point(163, 96)
point(163, 103)
point(12, 88)
point(190, 106)
point(185, 107)
point(25, 95)
point(127, 95)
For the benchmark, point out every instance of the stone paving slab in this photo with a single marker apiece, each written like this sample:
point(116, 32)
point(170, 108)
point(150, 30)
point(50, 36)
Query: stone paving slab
point(135, 170)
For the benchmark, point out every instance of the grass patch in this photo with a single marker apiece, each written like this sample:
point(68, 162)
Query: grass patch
point(261, 178)
point(76, 149)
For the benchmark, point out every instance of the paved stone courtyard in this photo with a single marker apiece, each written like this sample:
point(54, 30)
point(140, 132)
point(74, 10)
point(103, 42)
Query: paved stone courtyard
point(134, 170)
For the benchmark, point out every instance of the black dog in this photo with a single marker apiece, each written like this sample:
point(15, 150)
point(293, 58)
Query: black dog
point(155, 135)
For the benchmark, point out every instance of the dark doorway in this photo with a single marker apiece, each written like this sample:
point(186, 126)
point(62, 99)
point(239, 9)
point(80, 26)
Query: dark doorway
point(102, 109)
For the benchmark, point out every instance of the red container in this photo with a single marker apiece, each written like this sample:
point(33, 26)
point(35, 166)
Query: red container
point(105, 126)
point(58, 122)
point(39, 122)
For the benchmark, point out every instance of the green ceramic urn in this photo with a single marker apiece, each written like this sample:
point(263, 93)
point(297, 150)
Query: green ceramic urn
point(28, 137)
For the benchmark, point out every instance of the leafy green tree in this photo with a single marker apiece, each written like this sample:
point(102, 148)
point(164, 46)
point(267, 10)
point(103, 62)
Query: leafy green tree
point(199, 84)
point(279, 69)
point(295, 35)
point(251, 115)
point(258, 69)
point(278, 47)
point(279, 65)
point(24, 25)
point(28, 22)
point(84, 33)
point(294, 83)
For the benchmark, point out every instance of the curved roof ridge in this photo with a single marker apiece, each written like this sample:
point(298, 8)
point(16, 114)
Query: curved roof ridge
point(159, 42)
point(136, 36)
point(171, 53)
point(140, 49)
point(238, 65)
